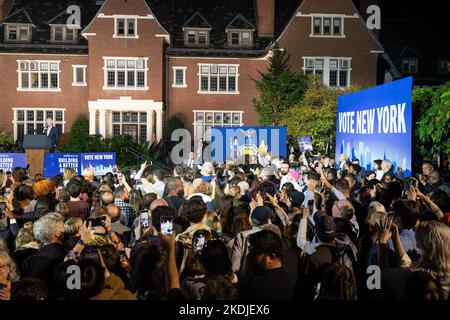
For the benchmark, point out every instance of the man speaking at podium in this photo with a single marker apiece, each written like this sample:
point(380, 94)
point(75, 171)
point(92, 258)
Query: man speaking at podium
point(52, 132)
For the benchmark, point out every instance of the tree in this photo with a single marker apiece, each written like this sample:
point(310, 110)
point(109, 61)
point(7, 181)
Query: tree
point(78, 140)
point(433, 128)
point(173, 123)
point(315, 115)
point(280, 89)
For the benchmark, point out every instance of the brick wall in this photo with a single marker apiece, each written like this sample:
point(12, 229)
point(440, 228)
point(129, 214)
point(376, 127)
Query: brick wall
point(182, 101)
point(296, 39)
point(73, 98)
point(146, 46)
point(357, 43)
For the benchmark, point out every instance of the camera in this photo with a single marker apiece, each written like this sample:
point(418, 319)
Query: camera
point(97, 222)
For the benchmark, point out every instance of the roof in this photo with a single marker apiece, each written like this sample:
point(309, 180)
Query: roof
point(406, 38)
point(173, 16)
point(41, 13)
point(197, 21)
point(223, 14)
point(19, 16)
point(239, 22)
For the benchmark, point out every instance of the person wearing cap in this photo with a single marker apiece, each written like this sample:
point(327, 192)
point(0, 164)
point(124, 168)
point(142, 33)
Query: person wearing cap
point(260, 220)
point(293, 176)
point(271, 280)
point(312, 266)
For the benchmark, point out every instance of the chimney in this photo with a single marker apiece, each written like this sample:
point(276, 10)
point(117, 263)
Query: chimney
point(4, 7)
point(265, 17)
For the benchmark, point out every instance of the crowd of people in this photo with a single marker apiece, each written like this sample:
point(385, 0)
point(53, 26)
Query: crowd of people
point(303, 228)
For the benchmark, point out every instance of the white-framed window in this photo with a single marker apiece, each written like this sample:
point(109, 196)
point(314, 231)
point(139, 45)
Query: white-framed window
point(333, 72)
point(196, 37)
point(218, 78)
point(327, 26)
point(17, 32)
point(38, 75)
point(125, 28)
point(32, 120)
point(240, 38)
point(444, 66)
point(61, 33)
point(125, 73)
point(179, 77)
point(409, 65)
point(130, 123)
point(204, 120)
point(79, 75)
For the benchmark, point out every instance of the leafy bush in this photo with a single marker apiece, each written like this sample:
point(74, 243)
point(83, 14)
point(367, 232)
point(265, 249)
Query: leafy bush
point(6, 139)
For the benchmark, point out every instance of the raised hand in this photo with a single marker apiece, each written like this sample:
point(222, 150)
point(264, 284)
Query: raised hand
point(85, 232)
point(271, 199)
point(259, 199)
point(384, 232)
point(144, 165)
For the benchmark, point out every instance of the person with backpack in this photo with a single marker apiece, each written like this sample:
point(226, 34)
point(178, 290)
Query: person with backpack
point(312, 267)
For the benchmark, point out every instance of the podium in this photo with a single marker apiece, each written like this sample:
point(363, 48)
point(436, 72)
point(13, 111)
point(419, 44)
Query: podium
point(35, 148)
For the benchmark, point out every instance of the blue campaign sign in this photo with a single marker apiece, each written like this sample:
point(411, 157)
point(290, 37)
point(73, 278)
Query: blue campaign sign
point(9, 161)
point(102, 163)
point(376, 124)
point(230, 143)
point(54, 163)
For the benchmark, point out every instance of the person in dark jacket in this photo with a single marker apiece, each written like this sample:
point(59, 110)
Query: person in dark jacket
point(49, 230)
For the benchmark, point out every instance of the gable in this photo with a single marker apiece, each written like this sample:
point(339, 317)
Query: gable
point(133, 8)
point(240, 22)
point(197, 21)
point(360, 35)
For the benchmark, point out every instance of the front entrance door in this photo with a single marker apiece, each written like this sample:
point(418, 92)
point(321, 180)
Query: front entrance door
point(131, 130)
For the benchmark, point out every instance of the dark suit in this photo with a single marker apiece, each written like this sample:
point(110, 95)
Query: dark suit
point(42, 264)
point(53, 135)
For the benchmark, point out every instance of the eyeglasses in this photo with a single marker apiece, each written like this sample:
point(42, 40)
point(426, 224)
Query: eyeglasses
point(4, 266)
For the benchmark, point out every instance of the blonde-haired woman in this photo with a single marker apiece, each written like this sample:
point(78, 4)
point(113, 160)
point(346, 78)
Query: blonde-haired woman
point(433, 238)
point(26, 245)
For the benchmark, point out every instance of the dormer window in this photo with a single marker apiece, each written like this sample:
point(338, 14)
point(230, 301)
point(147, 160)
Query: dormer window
point(61, 33)
point(240, 32)
point(196, 31)
point(409, 65)
point(196, 37)
point(17, 32)
point(240, 38)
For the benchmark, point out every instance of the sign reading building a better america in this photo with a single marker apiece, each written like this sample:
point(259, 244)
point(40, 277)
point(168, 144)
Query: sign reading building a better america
point(376, 124)
point(55, 163)
point(9, 161)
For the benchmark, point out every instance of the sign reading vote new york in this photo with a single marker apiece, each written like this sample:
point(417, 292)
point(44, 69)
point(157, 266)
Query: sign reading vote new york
point(376, 124)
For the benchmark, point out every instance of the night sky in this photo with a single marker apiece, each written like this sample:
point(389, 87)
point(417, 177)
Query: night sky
point(434, 13)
